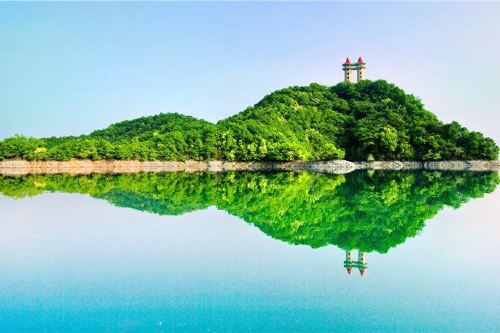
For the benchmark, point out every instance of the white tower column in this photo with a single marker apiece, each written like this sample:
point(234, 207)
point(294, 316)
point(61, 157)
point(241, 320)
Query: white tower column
point(360, 68)
point(362, 263)
point(362, 258)
point(348, 255)
point(348, 263)
point(347, 67)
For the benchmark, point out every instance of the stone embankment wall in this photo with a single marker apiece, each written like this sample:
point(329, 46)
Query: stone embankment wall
point(434, 165)
point(21, 167)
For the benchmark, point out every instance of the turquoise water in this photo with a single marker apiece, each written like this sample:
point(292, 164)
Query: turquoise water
point(250, 252)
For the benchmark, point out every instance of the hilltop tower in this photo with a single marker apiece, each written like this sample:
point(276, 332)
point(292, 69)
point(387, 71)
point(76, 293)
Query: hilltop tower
point(359, 67)
point(347, 67)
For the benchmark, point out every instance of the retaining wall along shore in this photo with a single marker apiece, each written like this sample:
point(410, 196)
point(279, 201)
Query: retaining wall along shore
point(22, 167)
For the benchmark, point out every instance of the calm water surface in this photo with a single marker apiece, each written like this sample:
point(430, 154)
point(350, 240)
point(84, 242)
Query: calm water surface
point(250, 252)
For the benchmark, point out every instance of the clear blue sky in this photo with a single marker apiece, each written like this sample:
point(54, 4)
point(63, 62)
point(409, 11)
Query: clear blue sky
point(69, 68)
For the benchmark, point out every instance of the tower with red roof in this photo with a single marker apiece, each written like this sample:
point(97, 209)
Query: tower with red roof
point(359, 67)
point(347, 68)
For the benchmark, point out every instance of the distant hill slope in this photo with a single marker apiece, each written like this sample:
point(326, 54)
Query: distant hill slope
point(370, 120)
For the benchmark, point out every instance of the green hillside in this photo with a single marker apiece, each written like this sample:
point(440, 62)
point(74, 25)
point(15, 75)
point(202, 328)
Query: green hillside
point(370, 120)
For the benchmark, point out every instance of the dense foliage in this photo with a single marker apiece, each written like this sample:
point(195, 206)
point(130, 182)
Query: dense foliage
point(370, 120)
point(370, 211)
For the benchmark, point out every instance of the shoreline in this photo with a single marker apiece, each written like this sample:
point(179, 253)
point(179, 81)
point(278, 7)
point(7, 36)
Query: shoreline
point(76, 167)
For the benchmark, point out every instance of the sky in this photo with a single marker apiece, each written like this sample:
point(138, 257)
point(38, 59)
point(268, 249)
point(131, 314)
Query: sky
point(70, 68)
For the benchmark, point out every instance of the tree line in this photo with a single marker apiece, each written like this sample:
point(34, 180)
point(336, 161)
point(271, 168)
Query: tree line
point(369, 120)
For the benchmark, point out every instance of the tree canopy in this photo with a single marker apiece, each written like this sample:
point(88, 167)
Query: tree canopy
point(369, 120)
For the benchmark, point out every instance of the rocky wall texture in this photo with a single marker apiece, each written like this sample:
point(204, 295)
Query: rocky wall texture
point(22, 167)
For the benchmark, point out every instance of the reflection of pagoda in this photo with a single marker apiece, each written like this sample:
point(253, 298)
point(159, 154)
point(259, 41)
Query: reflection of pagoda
point(361, 263)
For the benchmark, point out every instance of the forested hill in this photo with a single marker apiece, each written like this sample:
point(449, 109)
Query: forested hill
point(370, 120)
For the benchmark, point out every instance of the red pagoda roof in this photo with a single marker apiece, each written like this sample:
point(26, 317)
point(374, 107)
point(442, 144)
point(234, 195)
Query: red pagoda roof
point(360, 60)
point(347, 61)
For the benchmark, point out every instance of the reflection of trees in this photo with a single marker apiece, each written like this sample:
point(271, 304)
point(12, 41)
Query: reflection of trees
point(369, 211)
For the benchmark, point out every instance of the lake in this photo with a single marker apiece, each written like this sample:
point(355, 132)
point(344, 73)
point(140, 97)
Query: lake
point(240, 251)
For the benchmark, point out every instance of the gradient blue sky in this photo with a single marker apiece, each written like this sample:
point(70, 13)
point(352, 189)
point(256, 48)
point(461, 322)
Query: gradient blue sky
point(69, 68)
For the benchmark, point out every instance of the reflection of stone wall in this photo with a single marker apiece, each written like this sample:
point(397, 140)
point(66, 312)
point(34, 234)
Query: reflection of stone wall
point(21, 167)
point(463, 165)
point(390, 165)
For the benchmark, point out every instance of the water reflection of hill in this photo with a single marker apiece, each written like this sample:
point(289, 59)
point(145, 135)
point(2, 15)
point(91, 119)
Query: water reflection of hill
point(369, 211)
